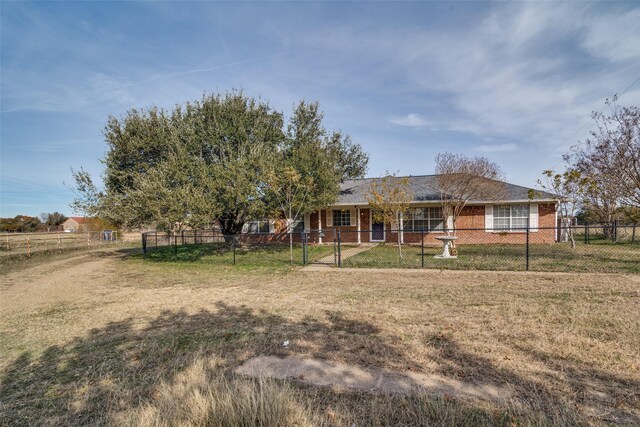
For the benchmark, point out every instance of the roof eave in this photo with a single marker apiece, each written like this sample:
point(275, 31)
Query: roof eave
point(479, 202)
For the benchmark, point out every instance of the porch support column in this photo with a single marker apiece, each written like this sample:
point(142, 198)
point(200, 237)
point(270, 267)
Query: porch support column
point(320, 226)
point(358, 215)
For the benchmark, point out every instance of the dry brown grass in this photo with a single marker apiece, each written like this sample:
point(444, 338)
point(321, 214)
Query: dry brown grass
point(106, 340)
point(202, 395)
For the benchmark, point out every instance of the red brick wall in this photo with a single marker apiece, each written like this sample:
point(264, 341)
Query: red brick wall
point(471, 217)
point(470, 226)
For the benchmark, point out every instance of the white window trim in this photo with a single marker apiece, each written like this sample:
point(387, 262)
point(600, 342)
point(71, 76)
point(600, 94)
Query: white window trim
point(509, 230)
point(534, 217)
point(428, 219)
point(351, 217)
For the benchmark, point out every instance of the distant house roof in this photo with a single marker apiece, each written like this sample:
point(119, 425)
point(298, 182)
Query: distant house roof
point(425, 188)
point(78, 219)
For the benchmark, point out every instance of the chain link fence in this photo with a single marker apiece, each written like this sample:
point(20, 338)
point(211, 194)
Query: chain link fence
point(580, 248)
point(585, 248)
point(251, 249)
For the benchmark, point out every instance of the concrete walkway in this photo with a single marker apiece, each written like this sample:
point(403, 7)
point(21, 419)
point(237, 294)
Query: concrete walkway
point(334, 374)
point(329, 260)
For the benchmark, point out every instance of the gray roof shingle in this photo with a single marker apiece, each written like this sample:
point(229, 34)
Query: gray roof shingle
point(425, 188)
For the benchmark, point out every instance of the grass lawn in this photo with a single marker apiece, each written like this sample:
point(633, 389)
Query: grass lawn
point(274, 257)
point(601, 257)
point(103, 338)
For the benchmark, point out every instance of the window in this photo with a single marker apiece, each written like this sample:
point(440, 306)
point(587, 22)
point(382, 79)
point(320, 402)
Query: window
point(428, 219)
point(341, 218)
point(297, 226)
point(510, 218)
point(258, 227)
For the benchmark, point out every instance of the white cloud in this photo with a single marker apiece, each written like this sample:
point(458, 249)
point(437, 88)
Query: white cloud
point(532, 72)
point(616, 38)
point(412, 120)
point(488, 148)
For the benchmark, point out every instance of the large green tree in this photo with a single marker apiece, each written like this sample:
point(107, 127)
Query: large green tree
point(214, 160)
point(136, 144)
point(236, 138)
point(311, 163)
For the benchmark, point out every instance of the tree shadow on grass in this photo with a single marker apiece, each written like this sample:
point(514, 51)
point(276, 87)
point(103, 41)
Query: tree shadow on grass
point(120, 366)
point(187, 253)
point(223, 254)
point(613, 398)
point(599, 395)
point(113, 368)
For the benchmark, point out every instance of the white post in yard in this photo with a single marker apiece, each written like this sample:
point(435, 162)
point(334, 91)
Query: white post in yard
point(401, 230)
point(358, 222)
point(320, 226)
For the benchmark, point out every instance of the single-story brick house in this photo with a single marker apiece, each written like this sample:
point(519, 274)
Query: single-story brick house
point(481, 221)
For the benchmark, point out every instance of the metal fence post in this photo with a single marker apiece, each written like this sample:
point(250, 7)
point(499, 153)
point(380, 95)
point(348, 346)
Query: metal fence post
point(339, 254)
point(306, 248)
point(233, 245)
point(527, 249)
point(175, 244)
point(586, 230)
point(422, 246)
point(633, 233)
point(182, 238)
point(335, 248)
point(144, 244)
point(156, 233)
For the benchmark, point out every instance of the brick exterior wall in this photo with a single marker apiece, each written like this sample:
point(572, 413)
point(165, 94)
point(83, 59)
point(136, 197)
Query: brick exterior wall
point(471, 217)
point(470, 225)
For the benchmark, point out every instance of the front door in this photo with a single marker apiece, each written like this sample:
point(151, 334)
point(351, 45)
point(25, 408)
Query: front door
point(377, 232)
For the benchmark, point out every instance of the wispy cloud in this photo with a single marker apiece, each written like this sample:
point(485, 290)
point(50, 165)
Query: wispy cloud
point(529, 71)
point(102, 89)
point(433, 78)
point(411, 120)
point(496, 148)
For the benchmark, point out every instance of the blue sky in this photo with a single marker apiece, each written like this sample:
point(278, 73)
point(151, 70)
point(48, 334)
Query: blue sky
point(515, 82)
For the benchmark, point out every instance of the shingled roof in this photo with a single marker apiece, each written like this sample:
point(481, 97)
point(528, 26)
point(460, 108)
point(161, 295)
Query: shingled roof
point(425, 188)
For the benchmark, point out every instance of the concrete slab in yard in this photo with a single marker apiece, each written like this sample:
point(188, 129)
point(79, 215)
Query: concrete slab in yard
point(325, 373)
